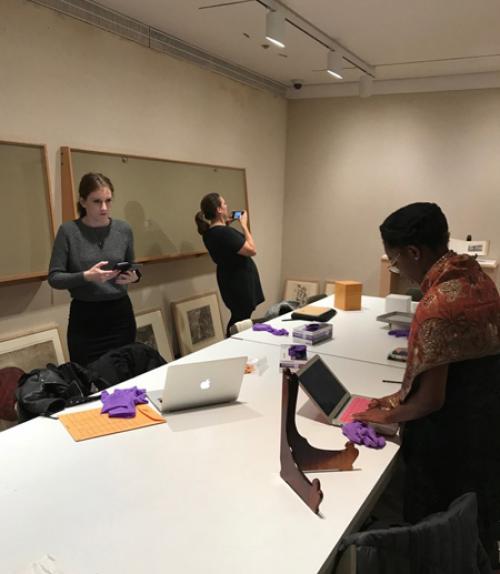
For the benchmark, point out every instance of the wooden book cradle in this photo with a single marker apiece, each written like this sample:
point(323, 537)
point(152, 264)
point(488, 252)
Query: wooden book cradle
point(298, 456)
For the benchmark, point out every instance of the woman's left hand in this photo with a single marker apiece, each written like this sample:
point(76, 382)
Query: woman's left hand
point(375, 415)
point(126, 277)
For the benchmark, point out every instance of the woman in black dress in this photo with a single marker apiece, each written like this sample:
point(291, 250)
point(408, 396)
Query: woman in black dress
point(232, 252)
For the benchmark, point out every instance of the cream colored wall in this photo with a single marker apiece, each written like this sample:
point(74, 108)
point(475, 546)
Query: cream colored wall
point(352, 161)
point(64, 82)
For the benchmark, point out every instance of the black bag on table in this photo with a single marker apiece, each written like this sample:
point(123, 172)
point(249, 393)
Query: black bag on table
point(50, 390)
point(312, 313)
point(47, 391)
point(125, 363)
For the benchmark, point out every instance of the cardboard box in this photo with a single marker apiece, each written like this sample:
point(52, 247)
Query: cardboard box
point(395, 302)
point(348, 295)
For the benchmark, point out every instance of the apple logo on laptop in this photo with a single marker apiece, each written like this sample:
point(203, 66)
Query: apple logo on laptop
point(204, 385)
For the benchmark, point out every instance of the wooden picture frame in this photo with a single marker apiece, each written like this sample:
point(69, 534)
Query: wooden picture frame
point(329, 288)
point(151, 330)
point(160, 233)
point(32, 350)
point(474, 248)
point(300, 290)
point(27, 216)
point(197, 322)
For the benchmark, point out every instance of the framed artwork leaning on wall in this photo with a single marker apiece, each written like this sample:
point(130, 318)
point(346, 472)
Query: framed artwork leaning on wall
point(300, 290)
point(197, 322)
point(329, 288)
point(151, 331)
point(32, 350)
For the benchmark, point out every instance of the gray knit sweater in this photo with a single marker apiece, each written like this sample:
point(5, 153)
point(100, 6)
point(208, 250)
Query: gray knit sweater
point(78, 247)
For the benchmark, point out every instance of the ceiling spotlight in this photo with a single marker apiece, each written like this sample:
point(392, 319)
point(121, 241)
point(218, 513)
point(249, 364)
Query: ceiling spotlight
point(275, 27)
point(335, 65)
point(365, 86)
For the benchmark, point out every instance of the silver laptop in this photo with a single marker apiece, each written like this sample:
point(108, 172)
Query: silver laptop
point(191, 385)
point(332, 398)
point(328, 393)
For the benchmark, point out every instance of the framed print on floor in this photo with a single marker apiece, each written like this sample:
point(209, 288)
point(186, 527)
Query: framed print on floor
point(197, 322)
point(32, 350)
point(151, 331)
point(299, 290)
point(329, 288)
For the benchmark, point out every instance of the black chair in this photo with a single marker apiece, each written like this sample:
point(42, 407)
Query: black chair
point(314, 298)
point(283, 307)
point(241, 326)
point(414, 293)
point(443, 543)
point(9, 379)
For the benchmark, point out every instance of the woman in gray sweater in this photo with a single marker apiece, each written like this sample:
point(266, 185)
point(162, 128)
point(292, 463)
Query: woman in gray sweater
point(85, 252)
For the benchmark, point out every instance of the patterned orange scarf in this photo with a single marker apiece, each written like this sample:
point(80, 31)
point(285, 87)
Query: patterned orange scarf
point(457, 319)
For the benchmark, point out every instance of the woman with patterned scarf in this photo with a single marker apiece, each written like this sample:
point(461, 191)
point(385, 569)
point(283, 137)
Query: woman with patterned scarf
point(450, 397)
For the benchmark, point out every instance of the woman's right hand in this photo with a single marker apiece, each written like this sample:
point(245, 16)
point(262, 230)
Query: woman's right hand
point(244, 219)
point(388, 402)
point(98, 275)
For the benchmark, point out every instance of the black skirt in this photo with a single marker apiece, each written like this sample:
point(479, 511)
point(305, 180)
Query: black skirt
point(96, 327)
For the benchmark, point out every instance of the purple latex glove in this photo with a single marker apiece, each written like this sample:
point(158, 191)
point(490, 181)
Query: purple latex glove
point(121, 403)
point(399, 332)
point(279, 332)
point(298, 352)
point(269, 329)
point(260, 327)
point(313, 327)
point(362, 433)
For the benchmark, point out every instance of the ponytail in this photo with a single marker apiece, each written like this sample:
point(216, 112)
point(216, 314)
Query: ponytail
point(201, 223)
point(209, 205)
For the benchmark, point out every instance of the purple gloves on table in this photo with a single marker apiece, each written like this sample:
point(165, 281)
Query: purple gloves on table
point(298, 352)
point(361, 433)
point(269, 329)
point(121, 403)
point(400, 332)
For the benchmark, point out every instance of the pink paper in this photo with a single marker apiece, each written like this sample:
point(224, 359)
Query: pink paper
point(357, 405)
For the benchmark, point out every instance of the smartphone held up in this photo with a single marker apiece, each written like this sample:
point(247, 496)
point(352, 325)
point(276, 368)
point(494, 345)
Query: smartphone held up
point(124, 266)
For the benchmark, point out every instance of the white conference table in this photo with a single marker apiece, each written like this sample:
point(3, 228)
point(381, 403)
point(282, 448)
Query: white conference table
point(201, 493)
point(356, 334)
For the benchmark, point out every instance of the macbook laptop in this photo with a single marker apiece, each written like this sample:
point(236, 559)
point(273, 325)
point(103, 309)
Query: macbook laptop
point(191, 385)
point(331, 397)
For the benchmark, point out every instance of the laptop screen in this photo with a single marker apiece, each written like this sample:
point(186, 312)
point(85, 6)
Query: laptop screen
point(322, 385)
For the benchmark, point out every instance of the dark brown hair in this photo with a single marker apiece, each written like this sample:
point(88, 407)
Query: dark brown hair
point(91, 182)
point(208, 206)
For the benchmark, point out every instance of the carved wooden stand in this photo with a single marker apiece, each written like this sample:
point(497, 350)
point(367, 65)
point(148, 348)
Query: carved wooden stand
point(297, 455)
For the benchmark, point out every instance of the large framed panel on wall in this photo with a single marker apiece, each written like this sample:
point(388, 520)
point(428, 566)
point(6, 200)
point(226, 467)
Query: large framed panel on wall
point(26, 216)
point(157, 197)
